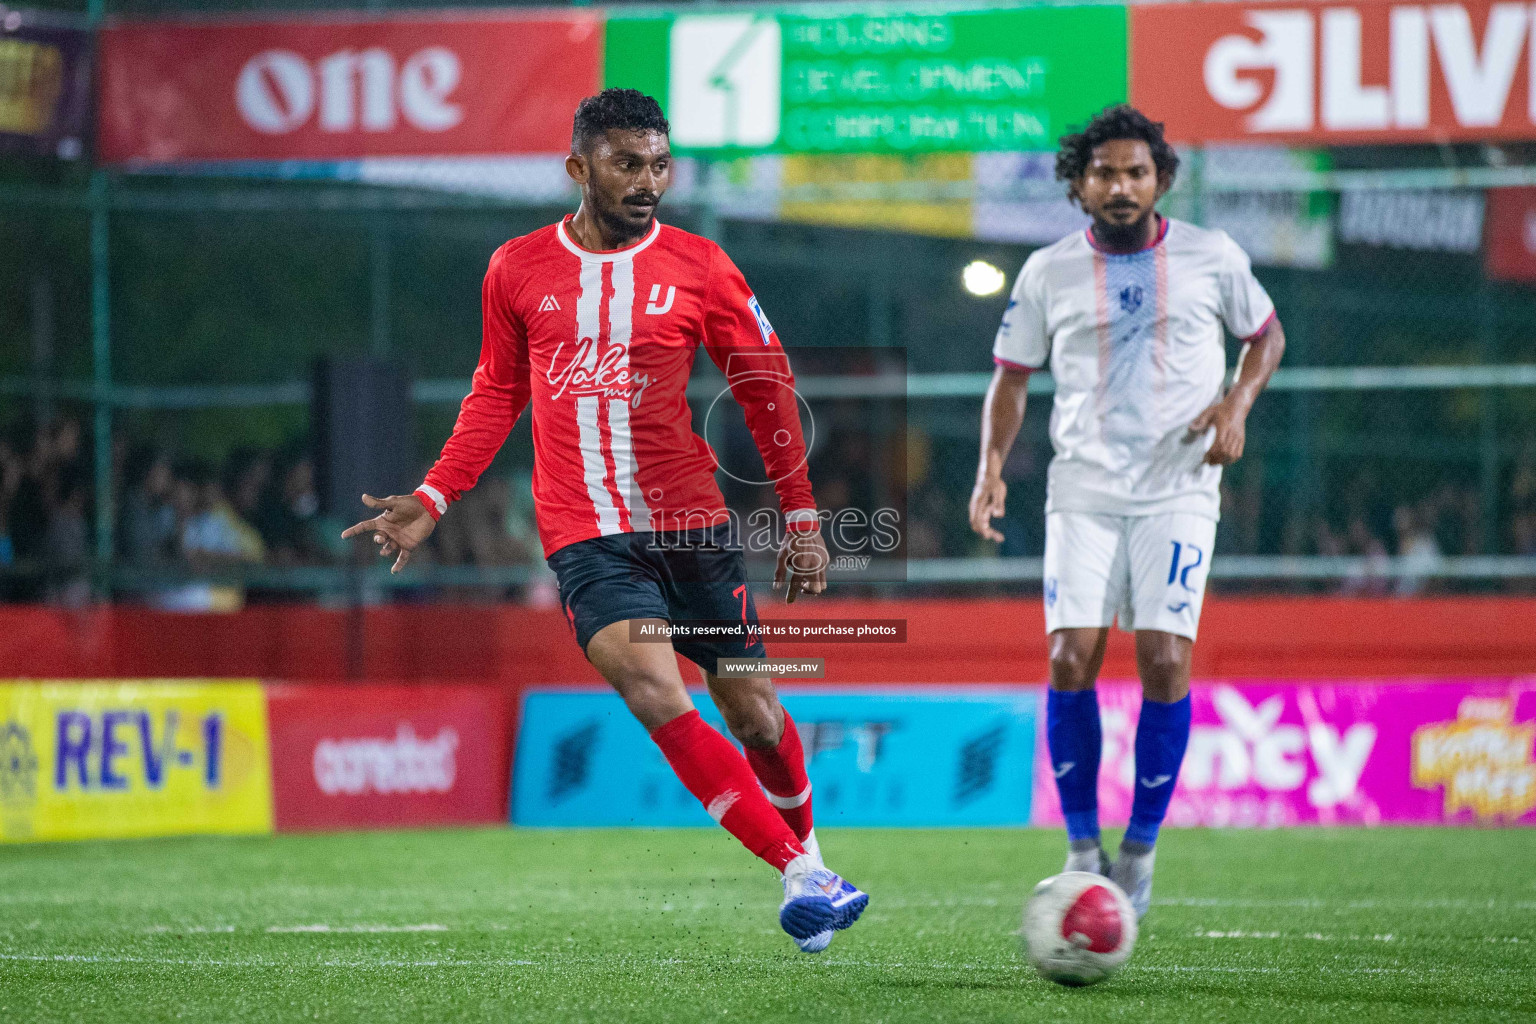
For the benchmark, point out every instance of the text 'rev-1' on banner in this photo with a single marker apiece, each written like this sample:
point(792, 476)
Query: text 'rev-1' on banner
point(98, 760)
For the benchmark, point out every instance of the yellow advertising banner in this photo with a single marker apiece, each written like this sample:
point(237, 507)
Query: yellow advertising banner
point(96, 760)
point(882, 178)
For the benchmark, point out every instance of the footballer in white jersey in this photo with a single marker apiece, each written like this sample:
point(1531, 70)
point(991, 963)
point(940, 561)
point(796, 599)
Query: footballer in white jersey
point(1130, 316)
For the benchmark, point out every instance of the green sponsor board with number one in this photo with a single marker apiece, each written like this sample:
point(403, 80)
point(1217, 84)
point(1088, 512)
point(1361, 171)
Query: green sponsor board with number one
point(873, 80)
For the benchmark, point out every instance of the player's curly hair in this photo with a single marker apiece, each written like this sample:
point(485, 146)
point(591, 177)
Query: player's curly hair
point(627, 110)
point(1121, 121)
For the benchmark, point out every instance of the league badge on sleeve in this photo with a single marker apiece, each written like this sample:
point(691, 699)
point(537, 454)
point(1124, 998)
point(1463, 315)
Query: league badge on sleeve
point(762, 320)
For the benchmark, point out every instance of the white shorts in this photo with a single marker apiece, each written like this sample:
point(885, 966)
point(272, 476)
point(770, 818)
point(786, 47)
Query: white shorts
point(1147, 571)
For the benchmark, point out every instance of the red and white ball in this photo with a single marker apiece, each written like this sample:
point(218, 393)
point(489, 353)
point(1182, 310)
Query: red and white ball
point(1079, 928)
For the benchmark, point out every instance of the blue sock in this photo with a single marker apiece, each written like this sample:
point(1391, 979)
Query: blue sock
point(1072, 733)
point(1162, 733)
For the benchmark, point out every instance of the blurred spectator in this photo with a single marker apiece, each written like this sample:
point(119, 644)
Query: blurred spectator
point(1417, 549)
point(12, 468)
point(1522, 500)
point(925, 505)
point(927, 510)
point(1453, 515)
point(213, 537)
point(1325, 541)
point(288, 515)
point(147, 529)
point(1371, 578)
point(66, 543)
point(541, 590)
point(175, 520)
point(214, 532)
point(492, 543)
point(477, 534)
point(53, 449)
point(521, 523)
point(246, 475)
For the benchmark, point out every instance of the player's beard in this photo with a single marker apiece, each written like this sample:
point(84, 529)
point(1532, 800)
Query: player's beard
point(1131, 235)
point(621, 228)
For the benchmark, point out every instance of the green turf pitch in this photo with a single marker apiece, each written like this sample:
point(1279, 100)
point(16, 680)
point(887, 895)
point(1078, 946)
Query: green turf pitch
point(615, 926)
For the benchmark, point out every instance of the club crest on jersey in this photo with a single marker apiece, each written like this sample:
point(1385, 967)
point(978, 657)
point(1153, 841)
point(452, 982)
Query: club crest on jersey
point(656, 306)
point(1131, 297)
point(549, 305)
point(763, 325)
point(605, 376)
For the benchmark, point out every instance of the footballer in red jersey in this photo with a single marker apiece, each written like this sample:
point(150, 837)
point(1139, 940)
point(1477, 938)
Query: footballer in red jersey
point(595, 323)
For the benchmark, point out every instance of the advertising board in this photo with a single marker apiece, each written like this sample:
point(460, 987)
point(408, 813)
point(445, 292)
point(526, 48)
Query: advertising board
point(332, 88)
point(96, 760)
point(1276, 753)
point(346, 756)
point(1336, 74)
point(1511, 234)
point(919, 757)
point(45, 87)
point(873, 79)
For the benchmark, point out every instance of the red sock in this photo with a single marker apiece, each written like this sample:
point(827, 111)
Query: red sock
point(781, 770)
point(709, 766)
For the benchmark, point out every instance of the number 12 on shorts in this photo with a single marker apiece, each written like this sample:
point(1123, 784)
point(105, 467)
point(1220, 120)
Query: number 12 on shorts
point(1182, 565)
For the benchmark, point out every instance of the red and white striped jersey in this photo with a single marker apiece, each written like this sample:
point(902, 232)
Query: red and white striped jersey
point(602, 344)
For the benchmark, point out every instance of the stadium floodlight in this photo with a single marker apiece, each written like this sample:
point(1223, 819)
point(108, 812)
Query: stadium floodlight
point(982, 278)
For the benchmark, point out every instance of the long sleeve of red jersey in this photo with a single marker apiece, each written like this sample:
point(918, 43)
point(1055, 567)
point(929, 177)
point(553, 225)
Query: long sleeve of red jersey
point(498, 396)
point(743, 344)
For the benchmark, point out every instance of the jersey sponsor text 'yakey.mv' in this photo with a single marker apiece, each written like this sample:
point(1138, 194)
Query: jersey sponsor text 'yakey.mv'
point(602, 344)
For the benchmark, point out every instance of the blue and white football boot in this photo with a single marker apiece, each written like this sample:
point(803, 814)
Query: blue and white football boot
point(817, 903)
point(822, 939)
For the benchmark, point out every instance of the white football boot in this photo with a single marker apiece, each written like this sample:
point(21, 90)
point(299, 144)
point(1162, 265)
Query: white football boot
point(1091, 859)
point(1132, 872)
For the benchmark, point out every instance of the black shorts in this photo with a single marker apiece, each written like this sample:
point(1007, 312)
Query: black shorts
point(687, 575)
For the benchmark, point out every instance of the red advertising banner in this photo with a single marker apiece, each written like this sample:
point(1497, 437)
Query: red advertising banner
point(1511, 234)
point(1323, 74)
point(328, 89)
point(347, 756)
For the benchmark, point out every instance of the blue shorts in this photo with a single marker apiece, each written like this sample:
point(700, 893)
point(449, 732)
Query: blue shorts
point(688, 575)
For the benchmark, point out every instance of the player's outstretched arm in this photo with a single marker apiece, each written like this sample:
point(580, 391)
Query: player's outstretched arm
point(1229, 416)
point(403, 525)
point(742, 342)
point(1001, 416)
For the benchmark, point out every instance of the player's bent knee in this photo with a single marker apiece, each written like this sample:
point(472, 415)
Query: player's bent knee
point(756, 731)
point(752, 715)
point(654, 697)
point(640, 682)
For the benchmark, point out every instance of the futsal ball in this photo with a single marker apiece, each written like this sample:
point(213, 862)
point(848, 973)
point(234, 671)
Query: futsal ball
point(1079, 928)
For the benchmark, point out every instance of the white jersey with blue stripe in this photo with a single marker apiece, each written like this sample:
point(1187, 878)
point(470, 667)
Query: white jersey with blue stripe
point(1136, 344)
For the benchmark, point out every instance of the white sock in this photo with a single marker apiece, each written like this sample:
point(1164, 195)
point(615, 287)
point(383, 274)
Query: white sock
point(800, 867)
point(813, 848)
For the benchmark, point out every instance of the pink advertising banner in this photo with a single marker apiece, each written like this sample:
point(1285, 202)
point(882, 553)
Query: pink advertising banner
point(1268, 754)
